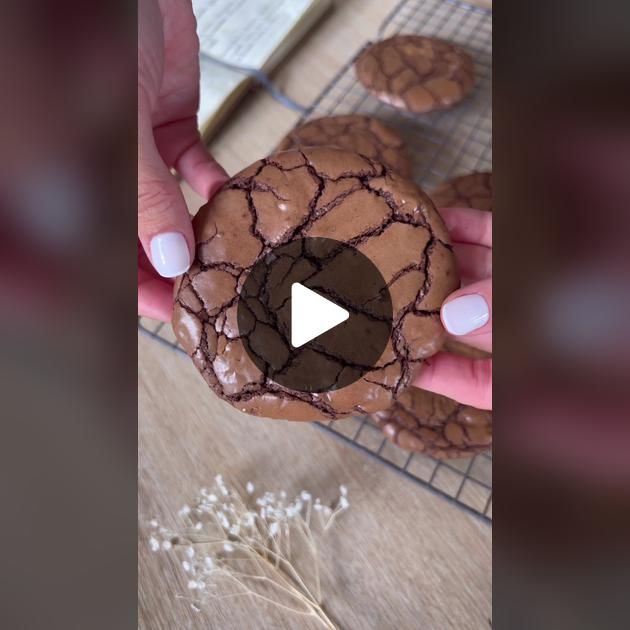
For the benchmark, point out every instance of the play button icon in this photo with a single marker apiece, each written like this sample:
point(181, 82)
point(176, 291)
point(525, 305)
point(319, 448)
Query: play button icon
point(312, 315)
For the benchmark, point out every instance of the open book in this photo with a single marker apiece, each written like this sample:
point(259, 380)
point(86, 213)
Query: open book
point(253, 34)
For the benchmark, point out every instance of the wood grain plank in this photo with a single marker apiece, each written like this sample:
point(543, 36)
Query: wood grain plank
point(401, 557)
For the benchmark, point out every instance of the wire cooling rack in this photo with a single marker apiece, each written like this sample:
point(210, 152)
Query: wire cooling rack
point(442, 145)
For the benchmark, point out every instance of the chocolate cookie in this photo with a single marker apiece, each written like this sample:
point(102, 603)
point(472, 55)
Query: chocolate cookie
point(467, 191)
point(361, 134)
point(435, 425)
point(297, 195)
point(416, 74)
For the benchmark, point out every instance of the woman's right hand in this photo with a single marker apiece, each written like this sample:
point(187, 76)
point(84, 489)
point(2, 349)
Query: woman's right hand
point(466, 313)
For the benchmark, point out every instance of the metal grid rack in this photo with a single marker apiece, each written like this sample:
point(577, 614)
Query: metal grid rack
point(442, 145)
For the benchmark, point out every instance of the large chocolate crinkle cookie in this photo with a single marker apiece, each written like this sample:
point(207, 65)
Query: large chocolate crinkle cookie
point(427, 423)
point(361, 134)
point(467, 191)
point(316, 192)
point(417, 74)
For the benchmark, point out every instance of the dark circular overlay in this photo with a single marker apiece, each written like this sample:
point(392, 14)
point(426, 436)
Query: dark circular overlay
point(339, 273)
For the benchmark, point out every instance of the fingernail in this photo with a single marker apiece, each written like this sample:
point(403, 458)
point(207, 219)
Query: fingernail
point(465, 314)
point(169, 254)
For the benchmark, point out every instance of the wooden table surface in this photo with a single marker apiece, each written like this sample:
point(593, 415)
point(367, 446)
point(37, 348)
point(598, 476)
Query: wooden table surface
point(401, 557)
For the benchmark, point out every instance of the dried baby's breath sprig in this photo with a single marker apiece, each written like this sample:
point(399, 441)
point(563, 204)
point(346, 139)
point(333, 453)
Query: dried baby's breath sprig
point(257, 545)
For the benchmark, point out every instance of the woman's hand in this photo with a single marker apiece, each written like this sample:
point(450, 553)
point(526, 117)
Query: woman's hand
point(466, 313)
point(168, 98)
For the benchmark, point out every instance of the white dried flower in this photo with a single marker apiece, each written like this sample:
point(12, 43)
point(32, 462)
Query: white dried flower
point(223, 520)
point(234, 529)
point(269, 543)
point(248, 519)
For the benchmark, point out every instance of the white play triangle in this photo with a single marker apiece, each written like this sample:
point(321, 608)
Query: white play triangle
point(312, 315)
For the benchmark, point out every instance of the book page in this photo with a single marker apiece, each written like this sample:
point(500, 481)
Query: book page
point(248, 33)
point(245, 33)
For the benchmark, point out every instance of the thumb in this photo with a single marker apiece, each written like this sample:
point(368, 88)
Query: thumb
point(164, 225)
point(467, 314)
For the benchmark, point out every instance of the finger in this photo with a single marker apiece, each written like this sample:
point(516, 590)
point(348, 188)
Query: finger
point(164, 225)
point(181, 148)
point(467, 314)
point(468, 381)
point(201, 171)
point(473, 261)
point(466, 225)
point(155, 296)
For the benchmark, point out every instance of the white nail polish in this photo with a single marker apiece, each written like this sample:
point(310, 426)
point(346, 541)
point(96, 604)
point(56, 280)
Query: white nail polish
point(465, 314)
point(169, 254)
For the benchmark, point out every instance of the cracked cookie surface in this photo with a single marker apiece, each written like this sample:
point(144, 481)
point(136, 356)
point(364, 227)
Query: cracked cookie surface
point(467, 191)
point(361, 134)
point(427, 423)
point(415, 73)
point(298, 194)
